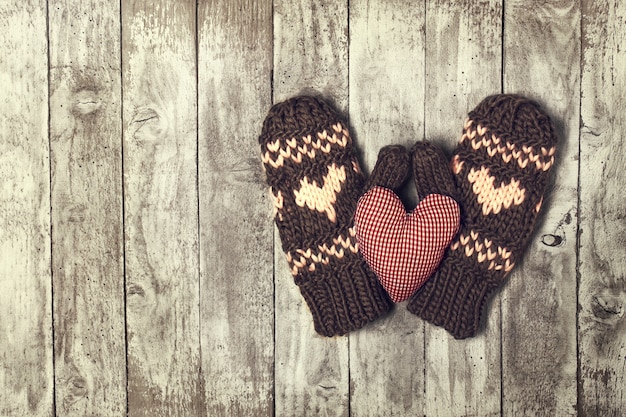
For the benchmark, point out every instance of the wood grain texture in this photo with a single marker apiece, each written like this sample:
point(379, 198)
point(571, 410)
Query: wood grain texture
point(463, 65)
point(310, 53)
point(26, 361)
point(236, 227)
point(87, 245)
point(602, 286)
point(311, 49)
point(161, 208)
point(387, 107)
point(539, 302)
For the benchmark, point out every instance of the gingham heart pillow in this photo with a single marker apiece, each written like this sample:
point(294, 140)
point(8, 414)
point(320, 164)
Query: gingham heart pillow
point(402, 248)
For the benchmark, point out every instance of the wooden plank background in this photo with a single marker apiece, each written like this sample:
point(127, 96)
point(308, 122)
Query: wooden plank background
point(86, 209)
point(140, 270)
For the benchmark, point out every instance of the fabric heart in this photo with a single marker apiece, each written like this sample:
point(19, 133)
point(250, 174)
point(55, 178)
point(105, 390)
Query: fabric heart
point(402, 248)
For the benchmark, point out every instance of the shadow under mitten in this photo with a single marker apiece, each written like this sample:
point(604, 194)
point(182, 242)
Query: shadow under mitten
point(498, 175)
point(315, 180)
point(402, 248)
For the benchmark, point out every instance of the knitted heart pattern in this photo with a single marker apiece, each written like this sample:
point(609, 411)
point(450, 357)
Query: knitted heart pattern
point(404, 249)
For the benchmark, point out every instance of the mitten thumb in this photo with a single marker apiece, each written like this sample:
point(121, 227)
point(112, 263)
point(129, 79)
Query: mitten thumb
point(391, 169)
point(431, 171)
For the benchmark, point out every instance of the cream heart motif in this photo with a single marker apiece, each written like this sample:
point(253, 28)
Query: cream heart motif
point(404, 249)
point(322, 198)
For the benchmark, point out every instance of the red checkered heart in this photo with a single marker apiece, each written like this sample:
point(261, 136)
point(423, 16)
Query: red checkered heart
point(402, 248)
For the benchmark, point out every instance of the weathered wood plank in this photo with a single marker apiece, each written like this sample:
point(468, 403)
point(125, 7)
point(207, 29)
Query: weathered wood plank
point(87, 248)
point(542, 60)
point(161, 208)
point(311, 49)
point(602, 286)
point(236, 228)
point(310, 52)
point(463, 65)
point(26, 362)
point(387, 107)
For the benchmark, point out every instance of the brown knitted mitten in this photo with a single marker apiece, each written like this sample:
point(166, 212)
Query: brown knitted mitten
point(498, 175)
point(315, 180)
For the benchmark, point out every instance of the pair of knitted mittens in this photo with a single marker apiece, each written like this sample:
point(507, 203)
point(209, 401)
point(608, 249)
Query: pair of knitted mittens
point(498, 176)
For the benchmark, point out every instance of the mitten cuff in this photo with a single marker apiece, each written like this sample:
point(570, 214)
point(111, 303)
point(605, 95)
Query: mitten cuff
point(343, 296)
point(454, 297)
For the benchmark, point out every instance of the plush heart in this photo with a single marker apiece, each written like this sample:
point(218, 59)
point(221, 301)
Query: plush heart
point(402, 248)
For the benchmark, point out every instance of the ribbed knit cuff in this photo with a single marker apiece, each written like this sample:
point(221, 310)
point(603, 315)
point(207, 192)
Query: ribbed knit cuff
point(454, 297)
point(343, 296)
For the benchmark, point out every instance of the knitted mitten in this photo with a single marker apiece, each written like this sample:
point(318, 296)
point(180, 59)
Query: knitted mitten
point(315, 180)
point(499, 176)
point(402, 248)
